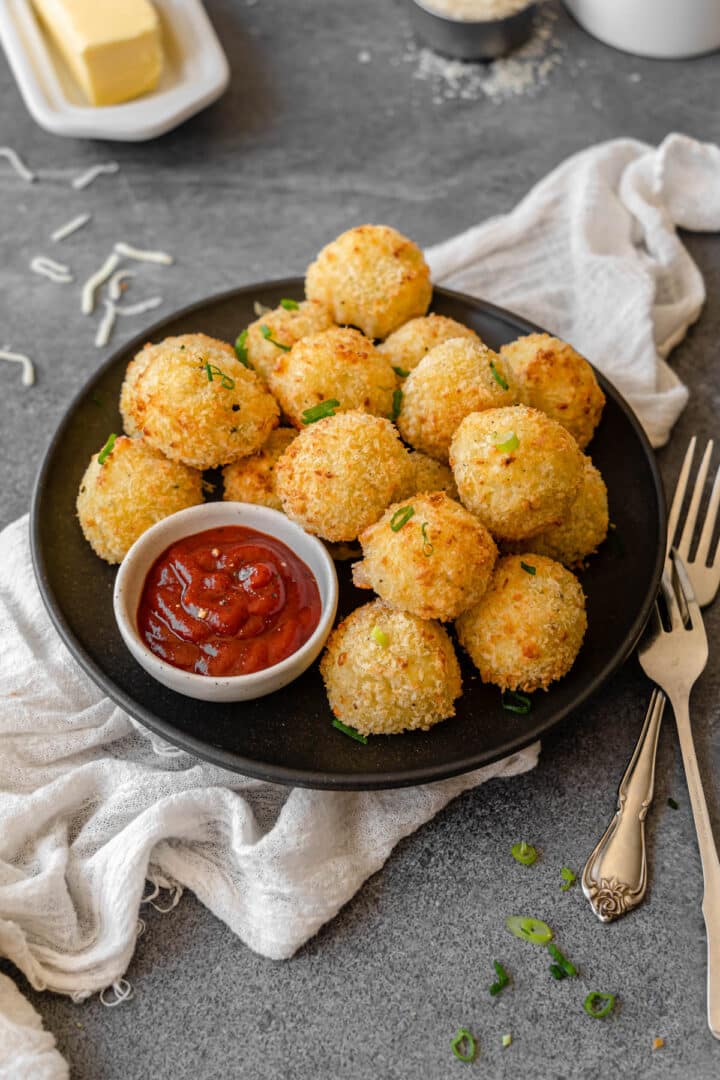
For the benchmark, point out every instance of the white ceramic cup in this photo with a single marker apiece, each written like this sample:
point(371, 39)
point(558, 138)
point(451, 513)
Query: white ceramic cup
point(148, 547)
point(667, 29)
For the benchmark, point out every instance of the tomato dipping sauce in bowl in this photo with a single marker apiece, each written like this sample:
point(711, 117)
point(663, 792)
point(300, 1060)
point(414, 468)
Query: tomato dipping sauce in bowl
point(226, 601)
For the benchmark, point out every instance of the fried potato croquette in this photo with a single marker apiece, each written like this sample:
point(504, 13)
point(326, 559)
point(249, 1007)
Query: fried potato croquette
point(284, 326)
point(134, 487)
point(584, 527)
point(556, 379)
point(454, 379)
point(406, 346)
point(371, 277)
point(194, 401)
point(340, 473)
point(429, 475)
point(516, 469)
point(435, 565)
point(252, 478)
point(386, 671)
point(528, 628)
point(338, 364)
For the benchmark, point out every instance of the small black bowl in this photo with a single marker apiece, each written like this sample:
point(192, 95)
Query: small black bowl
point(472, 40)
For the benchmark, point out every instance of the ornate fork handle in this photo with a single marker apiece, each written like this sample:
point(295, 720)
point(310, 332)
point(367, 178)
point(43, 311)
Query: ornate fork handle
point(615, 876)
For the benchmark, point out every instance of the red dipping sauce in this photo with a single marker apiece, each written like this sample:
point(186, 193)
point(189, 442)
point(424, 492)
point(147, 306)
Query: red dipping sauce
point(228, 601)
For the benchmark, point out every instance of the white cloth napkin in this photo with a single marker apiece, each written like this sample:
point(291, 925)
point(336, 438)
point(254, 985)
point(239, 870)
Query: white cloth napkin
point(26, 1051)
point(91, 805)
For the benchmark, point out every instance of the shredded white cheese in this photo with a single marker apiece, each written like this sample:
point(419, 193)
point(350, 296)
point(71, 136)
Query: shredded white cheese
point(28, 371)
point(93, 283)
point(260, 309)
point(106, 324)
point(71, 227)
point(18, 164)
point(48, 268)
point(91, 174)
point(131, 252)
point(141, 307)
point(115, 287)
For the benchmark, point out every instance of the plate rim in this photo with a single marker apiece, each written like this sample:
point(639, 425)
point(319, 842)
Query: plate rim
point(309, 778)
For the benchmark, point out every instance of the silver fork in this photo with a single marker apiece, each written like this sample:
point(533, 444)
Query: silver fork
point(615, 876)
point(674, 659)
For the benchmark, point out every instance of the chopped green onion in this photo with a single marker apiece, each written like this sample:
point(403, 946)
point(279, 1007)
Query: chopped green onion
point(514, 702)
point(241, 348)
point(589, 1004)
point(267, 334)
point(498, 377)
point(380, 636)
point(524, 853)
point(396, 405)
point(464, 1037)
point(319, 412)
point(528, 929)
point(557, 972)
point(400, 372)
point(507, 442)
point(565, 965)
point(107, 450)
point(502, 978)
point(507, 1040)
point(401, 517)
point(427, 546)
point(348, 730)
point(568, 877)
point(211, 370)
point(673, 805)
point(532, 570)
point(289, 305)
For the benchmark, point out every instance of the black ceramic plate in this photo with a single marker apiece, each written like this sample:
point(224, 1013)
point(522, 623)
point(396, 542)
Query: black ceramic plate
point(287, 737)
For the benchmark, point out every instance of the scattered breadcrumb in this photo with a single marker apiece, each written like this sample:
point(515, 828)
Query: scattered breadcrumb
point(658, 1043)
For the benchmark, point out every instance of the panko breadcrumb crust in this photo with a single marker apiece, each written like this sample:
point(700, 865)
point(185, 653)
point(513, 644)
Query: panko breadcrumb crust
point(436, 565)
point(286, 326)
point(527, 630)
point(555, 378)
point(456, 378)
point(516, 469)
point(341, 472)
point(252, 478)
point(371, 277)
point(407, 345)
point(135, 487)
point(174, 394)
point(338, 364)
point(409, 682)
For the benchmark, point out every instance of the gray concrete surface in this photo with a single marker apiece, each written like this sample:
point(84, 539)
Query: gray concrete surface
point(309, 140)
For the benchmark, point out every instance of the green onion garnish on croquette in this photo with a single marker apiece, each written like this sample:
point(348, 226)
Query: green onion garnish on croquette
point(401, 517)
point(590, 1004)
point(107, 449)
point(267, 334)
point(400, 372)
point(498, 377)
point(241, 348)
point(528, 929)
point(514, 702)
point(380, 637)
point(212, 372)
point(463, 1045)
point(319, 412)
point(347, 730)
point(524, 853)
point(289, 305)
point(532, 570)
point(427, 546)
point(507, 442)
point(396, 405)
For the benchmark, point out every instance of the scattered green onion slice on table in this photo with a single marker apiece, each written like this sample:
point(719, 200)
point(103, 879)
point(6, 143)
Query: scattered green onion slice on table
point(514, 702)
point(569, 878)
point(498, 377)
point(524, 853)
point(289, 305)
point(396, 405)
point(528, 929)
point(400, 372)
point(507, 1039)
point(557, 972)
point(212, 370)
point(507, 442)
point(565, 965)
point(673, 805)
point(107, 449)
point(347, 730)
point(528, 568)
point(502, 978)
point(590, 1007)
point(319, 412)
point(427, 546)
point(267, 334)
point(380, 636)
point(241, 348)
point(401, 517)
point(463, 1045)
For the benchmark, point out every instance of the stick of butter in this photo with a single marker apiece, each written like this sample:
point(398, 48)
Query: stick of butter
point(112, 47)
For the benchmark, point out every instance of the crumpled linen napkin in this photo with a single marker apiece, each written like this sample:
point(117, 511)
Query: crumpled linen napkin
point(27, 1052)
point(91, 805)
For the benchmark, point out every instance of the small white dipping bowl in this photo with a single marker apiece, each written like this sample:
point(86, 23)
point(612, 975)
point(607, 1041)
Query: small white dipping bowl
point(148, 547)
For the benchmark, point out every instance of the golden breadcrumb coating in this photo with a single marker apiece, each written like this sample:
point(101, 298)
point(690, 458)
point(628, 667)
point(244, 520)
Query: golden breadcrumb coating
point(386, 671)
point(339, 364)
point(517, 469)
point(582, 530)
point(436, 565)
point(528, 628)
point(458, 377)
point(252, 478)
point(133, 488)
point(194, 401)
point(340, 473)
point(429, 475)
point(556, 379)
point(287, 327)
point(371, 277)
point(406, 346)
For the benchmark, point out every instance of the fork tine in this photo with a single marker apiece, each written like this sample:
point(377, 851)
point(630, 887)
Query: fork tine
point(672, 604)
point(686, 586)
point(680, 494)
point(709, 526)
point(686, 539)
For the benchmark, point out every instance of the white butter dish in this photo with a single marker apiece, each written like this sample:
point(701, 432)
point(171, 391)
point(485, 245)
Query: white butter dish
point(195, 74)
